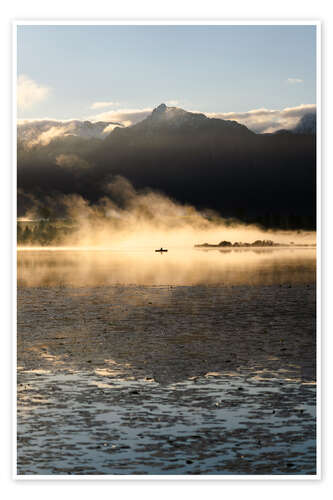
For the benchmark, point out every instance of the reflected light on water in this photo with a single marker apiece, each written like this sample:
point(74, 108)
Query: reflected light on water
point(89, 268)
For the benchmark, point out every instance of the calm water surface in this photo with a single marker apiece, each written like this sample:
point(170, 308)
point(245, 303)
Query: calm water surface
point(79, 268)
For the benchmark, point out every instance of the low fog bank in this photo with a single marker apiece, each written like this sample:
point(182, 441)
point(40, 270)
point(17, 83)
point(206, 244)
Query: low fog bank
point(126, 218)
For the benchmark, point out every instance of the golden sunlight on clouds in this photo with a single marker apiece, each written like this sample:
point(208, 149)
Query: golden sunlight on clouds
point(124, 116)
point(260, 120)
point(268, 120)
point(47, 136)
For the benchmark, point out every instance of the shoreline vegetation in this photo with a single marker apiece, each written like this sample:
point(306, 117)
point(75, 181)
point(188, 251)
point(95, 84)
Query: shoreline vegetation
point(44, 232)
point(47, 232)
point(257, 243)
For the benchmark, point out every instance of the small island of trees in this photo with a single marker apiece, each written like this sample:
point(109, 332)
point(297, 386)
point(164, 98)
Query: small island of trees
point(257, 243)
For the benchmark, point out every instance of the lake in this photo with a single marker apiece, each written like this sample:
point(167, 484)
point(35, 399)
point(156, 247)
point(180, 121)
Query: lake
point(198, 362)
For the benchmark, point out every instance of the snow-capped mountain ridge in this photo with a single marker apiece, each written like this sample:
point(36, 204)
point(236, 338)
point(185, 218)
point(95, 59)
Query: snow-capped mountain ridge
point(43, 131)
point(166, 119)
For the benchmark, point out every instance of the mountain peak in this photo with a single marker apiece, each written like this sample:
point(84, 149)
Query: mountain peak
point(161, 108)
point(173, 120)
point(172, 116)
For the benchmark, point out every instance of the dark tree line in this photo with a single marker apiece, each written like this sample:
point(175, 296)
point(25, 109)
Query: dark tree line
point(42, 233)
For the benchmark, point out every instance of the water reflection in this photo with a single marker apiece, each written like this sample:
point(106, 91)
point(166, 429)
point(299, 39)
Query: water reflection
point(80, 268)
point(117, 377)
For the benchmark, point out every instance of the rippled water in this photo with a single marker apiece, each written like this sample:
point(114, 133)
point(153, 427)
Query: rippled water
point(191, 362)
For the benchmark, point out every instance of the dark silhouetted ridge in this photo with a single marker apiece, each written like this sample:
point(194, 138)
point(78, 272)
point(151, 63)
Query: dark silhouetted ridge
point(207, 162)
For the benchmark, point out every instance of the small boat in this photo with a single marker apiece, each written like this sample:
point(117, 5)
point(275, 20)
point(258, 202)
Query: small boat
point(161, 250)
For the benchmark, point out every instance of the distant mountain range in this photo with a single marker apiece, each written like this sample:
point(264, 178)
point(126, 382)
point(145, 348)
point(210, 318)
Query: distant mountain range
point(306, 125)
point(208, 162)
point(43, 131)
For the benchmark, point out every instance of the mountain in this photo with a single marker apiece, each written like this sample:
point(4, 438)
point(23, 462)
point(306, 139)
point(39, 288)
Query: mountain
point(306, 125)
point(171, 122)
point(41, 132)
point(206, 162)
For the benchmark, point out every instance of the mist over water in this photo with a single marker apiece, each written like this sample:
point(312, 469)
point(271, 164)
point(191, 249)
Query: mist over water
point(89, 268)
point(113, 242)
point(130, 219)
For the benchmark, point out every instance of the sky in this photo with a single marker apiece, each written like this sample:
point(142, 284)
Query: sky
point(122, 72)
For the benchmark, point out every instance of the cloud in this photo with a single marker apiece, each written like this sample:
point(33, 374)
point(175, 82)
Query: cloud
point(126, 117)
point(41, 132)
point(109, 128)
point(103, 104)
point(299, 111)
point(29, 92)
point(70, 161)
point(294, 80)
point(173, 102)
point(48, 135)
point(260, 120)
point(268, 120)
